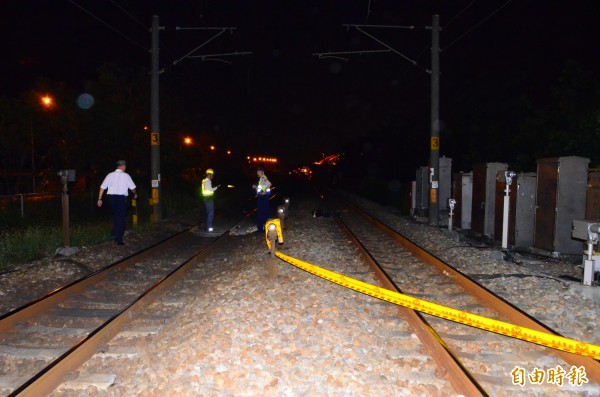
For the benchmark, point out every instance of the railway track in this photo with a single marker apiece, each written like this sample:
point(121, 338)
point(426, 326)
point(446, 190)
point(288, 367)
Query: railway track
point(330, 319)
point(45, 340)
point(479, 362)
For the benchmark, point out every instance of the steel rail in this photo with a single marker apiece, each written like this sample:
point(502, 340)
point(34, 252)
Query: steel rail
point(484, 295)
point(452, 368)
point(46, 380)
point(53, 375)
point(43, 304)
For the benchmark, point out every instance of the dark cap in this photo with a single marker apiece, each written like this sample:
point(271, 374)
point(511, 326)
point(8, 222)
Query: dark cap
point(121, 162)
point(261, 168)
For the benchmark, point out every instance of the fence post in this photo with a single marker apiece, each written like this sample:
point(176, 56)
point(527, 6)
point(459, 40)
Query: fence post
point(22, 205)
point(65, 213)
point(135, 211)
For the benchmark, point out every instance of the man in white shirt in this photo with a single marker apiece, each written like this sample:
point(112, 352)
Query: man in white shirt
point(117, 184)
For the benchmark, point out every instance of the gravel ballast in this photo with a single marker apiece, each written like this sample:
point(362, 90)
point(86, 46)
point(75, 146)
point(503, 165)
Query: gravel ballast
point(241, 333)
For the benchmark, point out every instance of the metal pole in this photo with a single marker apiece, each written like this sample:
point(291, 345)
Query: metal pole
point(154, 124)
point(506, 210)
point(65, 211)
point(508, 177)
point(32, 159)
point(451, 203)
point(434, 158)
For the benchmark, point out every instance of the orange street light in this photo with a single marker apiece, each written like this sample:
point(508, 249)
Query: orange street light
point(46, 101)
point(187, 140)
point(212, 147)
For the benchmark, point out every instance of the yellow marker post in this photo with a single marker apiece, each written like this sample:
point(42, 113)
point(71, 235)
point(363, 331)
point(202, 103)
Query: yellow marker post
point(277, 224)
point(273, 233)
point(135, 211)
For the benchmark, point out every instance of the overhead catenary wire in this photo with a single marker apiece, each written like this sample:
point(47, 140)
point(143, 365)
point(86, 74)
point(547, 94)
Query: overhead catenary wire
point(476, 25)
point(389, 48)
point(164, 47)
point(222, 30)
point(109, 26)
point(129, 14)
point(459, 13)
point(452, 19)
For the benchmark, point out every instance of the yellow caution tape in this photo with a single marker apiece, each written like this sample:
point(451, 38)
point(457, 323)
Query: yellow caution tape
point(473, 320)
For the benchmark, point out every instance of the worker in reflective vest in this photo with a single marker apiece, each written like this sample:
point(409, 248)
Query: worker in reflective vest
point(263, 191)
point(208, 192)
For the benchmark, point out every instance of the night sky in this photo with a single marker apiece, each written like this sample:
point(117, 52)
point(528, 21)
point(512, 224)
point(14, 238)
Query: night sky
point(283, 100)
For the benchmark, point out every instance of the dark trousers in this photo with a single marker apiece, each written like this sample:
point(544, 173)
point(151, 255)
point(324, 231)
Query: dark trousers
point(118, 204)
point(262, 211)
point(209, 204)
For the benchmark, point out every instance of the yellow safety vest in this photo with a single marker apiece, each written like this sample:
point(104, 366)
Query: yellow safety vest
point(206, 192)
point(262, 184)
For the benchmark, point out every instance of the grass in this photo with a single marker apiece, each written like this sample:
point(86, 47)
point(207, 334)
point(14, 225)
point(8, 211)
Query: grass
point(38, 233)
point(35, 242)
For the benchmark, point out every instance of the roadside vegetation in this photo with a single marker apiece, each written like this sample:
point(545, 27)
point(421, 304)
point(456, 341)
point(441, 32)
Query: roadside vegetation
point(36, 232)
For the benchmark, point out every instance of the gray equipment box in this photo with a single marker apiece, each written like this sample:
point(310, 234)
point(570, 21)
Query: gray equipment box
point(69, 174)
point(484, 197)
point(445, 183)
point(580, 229)
point(422, 189)
point(467, 199)
point(561, 195)
point(525, 209)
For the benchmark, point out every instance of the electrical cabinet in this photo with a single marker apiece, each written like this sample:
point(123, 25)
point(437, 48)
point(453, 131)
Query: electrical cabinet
point(422, 190)
point(483, 211)
point(466, 182)
point(560, 199)
point(592, 201)
point(525, 209)
point(456, 195)
point(413, 195)
point(445, 183)
point(521, 219)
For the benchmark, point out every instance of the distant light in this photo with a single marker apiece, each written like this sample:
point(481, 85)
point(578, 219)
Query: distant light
point(187, 140)
point(229, 152)
point(85, 101)
point(47, 101)
point(263, 159)
point(212, 147)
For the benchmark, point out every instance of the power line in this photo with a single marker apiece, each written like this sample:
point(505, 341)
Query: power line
point(477, 24)
point(389, 48)
point(109, 26)
point(221, 31)
point(412, 61)
point(459, 13)
point(449, 22)
point(130, 15)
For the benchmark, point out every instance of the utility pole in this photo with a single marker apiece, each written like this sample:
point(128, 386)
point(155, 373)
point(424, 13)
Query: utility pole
point(434, 159)
point(154, 105)
point(154, 125)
